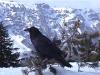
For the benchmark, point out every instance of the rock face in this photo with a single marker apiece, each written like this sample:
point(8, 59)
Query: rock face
point(48, 20)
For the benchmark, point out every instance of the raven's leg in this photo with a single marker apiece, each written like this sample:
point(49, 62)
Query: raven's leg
point(53, 70)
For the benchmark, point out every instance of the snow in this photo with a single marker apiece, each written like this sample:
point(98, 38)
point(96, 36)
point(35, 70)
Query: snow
point(18, 39)
point(63, 3)
point(84, 69)
point(70, 16)
point(78, 29)
point(9, 2)
point(60, 71)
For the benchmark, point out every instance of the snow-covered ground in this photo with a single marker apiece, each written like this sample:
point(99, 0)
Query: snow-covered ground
point(60, 71)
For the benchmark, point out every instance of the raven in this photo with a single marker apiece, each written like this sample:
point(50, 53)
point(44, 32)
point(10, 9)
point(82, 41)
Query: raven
point(45, 47)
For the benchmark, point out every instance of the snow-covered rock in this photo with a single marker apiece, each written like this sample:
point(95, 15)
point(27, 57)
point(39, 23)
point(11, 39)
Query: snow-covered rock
point(48, 20)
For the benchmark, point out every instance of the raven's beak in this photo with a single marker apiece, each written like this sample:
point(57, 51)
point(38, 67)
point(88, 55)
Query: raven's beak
point(26, 29)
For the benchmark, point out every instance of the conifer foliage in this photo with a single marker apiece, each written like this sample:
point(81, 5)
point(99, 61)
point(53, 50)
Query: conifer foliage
point(7, 55)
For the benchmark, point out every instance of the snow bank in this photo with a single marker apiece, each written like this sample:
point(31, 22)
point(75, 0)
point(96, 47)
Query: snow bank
point(84, 69)
point(60, 71)
point(10, 71)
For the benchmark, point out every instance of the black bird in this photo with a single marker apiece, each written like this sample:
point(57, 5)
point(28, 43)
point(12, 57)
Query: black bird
point(45, 48)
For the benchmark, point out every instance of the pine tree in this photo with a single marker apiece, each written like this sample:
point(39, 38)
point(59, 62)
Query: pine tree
point(7, 56)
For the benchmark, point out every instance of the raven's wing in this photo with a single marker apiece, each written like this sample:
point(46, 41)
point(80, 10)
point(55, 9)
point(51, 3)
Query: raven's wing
point(46, 48)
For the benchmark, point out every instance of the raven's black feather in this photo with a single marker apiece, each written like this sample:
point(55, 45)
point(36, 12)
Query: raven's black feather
point(45, 48)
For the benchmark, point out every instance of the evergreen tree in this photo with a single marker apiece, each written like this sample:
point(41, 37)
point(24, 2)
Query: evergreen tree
point(7, 56)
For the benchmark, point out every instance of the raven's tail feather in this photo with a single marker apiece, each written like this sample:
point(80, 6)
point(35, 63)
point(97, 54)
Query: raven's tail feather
point(63, 63)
